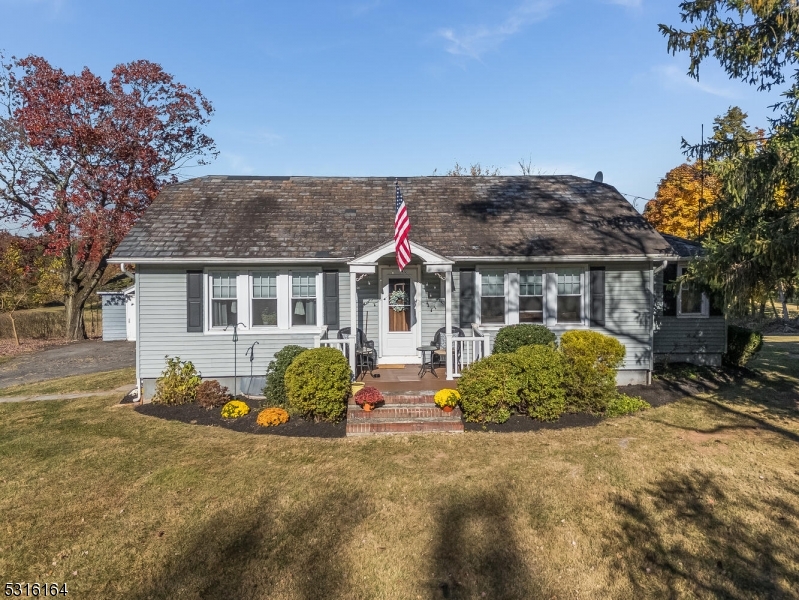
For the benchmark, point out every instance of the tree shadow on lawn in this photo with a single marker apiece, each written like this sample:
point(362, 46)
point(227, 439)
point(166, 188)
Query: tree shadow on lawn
point(686, 535)
point(253, 554)
point(477, 554)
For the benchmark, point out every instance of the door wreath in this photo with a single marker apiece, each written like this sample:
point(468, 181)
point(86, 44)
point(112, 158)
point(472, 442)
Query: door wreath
point(398, 300)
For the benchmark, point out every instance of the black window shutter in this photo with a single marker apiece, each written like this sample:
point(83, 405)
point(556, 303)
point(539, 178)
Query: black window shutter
point(194, 301)
point(669, 295)
point(597, 296)
point(467, 301)
point(331, 299)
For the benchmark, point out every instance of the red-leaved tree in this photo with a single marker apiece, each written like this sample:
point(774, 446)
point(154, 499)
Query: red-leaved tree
point(81, 158)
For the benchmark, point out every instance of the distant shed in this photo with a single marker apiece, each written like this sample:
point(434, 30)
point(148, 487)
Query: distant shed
point(119, 314)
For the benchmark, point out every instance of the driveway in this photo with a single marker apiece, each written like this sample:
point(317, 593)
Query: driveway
point(80, 358)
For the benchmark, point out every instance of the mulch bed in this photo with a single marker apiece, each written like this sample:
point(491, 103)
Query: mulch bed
point(668, 386)
point(196, 415)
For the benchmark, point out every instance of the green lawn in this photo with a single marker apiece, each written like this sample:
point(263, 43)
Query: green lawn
point(696, 499)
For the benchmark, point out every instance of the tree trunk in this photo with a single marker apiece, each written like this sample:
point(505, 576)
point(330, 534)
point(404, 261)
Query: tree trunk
point(14, 328)
point(774, 308)
point(762, 309)
point(784, 301)
point(76, 328)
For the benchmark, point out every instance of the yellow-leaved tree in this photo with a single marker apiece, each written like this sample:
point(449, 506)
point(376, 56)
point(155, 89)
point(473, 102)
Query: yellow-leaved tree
point(683, 202)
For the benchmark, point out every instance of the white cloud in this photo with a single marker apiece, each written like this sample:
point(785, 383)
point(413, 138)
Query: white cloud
point(475, 40)
point(672, 77)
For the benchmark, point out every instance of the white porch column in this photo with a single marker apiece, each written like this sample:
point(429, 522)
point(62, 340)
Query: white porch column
point(450, 346)
point(353, 317)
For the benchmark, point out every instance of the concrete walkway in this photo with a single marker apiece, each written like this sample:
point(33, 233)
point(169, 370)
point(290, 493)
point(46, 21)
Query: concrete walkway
point(123, 389)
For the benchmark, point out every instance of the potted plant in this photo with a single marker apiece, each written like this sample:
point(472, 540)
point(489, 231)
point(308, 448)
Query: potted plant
point(368, 398)
point(447, 399)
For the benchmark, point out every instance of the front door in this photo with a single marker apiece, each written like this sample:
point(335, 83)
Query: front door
point(399, 317)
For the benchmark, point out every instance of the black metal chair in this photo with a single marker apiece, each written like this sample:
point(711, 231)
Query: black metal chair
point(365, 353)
point(439, 341)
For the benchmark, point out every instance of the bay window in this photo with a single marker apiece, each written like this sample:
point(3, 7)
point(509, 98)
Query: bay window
point(223, 299)
point(531, 296)
point(492, 297)
point(303, 299)
point(570, 296)
point(263, 311)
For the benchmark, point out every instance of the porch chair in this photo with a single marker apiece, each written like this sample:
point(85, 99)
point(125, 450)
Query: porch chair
point(365, 353)
point(439, 341)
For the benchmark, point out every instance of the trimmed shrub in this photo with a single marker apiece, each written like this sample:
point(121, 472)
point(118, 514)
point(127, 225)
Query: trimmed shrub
point(742, 345)
point(235, 409)
point(591, 359)
point(622, 404)
point(210, 394)
point(489, 388)
point(513, 337)
point(275, 389)
point(368, 395)
point(272, 417)
point(447, 397)
point(318, 384)
point(542, 394)
point(178, 382)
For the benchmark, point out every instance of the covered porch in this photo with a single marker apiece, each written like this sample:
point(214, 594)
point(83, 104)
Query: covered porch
point(403, 317)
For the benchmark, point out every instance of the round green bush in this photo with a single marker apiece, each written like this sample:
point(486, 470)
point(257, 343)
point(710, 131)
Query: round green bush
point(622, 404)
point(275, 389)
point(542, 372)
point(742, 345)
point(489, 388)
point(513, 337)
point(318, 384)
point(591, 360)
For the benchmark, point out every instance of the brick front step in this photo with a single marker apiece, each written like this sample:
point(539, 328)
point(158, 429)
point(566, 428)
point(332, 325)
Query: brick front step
point(403, 413)
point(402, 399)
point(354, 429)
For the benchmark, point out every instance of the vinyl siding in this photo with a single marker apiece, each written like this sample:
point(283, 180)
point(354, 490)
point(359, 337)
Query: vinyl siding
point(628, 309)
point(686, 339)
point(432, 309)
point(162, 332)
point(368, 308)
point(629, 312)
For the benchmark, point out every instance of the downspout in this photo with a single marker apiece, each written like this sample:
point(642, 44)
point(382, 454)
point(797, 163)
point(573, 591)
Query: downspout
point(655, 271)
point(132, 275)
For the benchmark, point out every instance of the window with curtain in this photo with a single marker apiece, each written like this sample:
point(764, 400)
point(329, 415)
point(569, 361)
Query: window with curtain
point(303, 299)
point(223, 299)
point(691, 300)
point(263, 312)
point(569, 296)
point(492, 297)
point(531, 296)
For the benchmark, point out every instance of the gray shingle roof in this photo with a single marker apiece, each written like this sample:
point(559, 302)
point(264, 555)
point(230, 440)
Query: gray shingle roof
point(343, 217)
point(683, 247)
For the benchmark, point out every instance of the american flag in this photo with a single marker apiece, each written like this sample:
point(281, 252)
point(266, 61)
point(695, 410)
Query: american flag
point(402, 227)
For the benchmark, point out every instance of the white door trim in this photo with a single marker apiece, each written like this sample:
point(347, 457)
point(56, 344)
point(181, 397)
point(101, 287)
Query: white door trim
point(385, 273)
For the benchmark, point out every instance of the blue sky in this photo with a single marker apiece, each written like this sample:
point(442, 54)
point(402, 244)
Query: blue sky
point(396, 88)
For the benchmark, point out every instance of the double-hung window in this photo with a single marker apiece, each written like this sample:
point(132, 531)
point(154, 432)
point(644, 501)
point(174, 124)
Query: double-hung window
point(263, 309)
point(531, 296)
point(223, 299)
point(492, 297)
point(691, 302)
point(569, 296)
point(303, 299)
